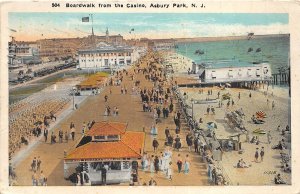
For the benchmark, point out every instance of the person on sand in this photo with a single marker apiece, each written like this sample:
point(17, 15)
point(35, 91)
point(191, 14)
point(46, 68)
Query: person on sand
point(269, 137)
point(262, 154)
point(256, 155)
point(278, 180)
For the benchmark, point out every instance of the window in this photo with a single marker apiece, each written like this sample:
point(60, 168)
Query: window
point(240, 72)
point(126, 165)
point(257, 72)
point(96, 166)
point(230, 73)
point(213, 75)
point(249, 72)
point(116, 165)
point(99, 137)
point(115, 137)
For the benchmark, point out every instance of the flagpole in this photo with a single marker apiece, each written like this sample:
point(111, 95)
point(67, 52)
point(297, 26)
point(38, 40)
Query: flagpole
point(93, 38)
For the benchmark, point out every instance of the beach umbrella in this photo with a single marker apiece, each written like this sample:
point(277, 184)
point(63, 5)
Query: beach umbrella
point(211, 125)
point(261, 114)
point(228, 84)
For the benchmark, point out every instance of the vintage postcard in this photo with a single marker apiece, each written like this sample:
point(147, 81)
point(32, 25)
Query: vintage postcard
point(120, 95)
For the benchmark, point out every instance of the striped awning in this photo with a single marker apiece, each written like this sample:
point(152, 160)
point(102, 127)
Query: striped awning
point(261, 114)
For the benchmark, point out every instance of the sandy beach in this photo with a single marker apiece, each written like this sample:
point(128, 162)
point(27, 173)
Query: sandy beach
point(261, 173)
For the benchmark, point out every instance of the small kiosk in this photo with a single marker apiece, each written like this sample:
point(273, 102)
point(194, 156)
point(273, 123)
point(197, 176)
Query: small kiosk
point(92, 84)
point(105, 144)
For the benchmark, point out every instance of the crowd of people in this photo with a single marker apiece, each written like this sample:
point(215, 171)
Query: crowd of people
point(32, 115)
point(38, 177)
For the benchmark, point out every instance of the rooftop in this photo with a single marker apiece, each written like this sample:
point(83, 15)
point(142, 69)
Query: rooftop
point(130, 146)
point(227, 63)
point(103, 47)
point(107, 128)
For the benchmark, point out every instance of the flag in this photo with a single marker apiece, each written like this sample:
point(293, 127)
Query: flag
point(85, 19)
point(13, 30)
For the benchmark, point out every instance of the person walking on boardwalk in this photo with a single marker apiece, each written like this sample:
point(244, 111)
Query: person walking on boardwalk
point(103, 175)
point(33, 164)
point(66, 136)
point(177, 143)
point(46, 134)
point(73, 133)
point(187, 164)
point(156, 164)
point(42, 179)
point(60, 135)
point(196, 144)
point(34, 179)
point(179, 163)
point(167, 132)
point(155, 144)
point(152, 164)
point(38, 163)
point(189, 140)
point(169, 171)
point(53, 138)
point(72, 125)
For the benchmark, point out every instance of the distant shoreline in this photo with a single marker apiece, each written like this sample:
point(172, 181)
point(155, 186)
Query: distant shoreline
point(213, 39)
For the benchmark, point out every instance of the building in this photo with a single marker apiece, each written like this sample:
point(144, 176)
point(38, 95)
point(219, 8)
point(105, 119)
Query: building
point(27, 53)
point(92, 84)
point(60, 48)
point(106, 145)
point(232, 71)
point(12, 47)
point(106, 56)
point(162, 44)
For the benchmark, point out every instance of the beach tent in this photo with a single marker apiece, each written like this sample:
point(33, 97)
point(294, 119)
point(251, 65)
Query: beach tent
point(211, 125)
point(261, 114)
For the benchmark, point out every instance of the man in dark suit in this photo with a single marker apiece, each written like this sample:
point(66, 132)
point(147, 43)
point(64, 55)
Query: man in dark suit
point(103, 175)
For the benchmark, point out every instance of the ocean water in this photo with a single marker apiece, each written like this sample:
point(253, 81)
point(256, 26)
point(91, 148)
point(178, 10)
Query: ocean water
point(275, 50)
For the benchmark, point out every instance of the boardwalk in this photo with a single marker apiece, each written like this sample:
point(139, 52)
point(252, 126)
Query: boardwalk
point(130, 111)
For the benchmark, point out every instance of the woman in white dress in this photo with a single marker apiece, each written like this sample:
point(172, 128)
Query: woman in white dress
point(105, 112)
point(152, 164)
point(187, 165)
point(169, 171)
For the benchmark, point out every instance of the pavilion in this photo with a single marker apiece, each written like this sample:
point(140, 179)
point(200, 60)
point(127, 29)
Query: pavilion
point(105, 144)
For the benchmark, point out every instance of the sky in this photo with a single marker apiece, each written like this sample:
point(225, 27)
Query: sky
point(33, 26)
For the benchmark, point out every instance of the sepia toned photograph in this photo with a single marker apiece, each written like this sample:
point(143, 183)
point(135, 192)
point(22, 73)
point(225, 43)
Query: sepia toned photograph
point(148, 98)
